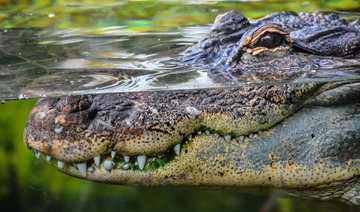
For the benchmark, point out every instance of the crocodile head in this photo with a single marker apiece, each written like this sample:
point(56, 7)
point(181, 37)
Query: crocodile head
point(279, 46)
point(301, 139)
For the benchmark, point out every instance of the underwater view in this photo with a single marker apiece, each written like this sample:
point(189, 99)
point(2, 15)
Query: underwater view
point(97, 59)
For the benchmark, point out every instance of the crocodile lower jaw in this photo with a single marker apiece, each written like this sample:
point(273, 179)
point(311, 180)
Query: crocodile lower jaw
point(113, 161)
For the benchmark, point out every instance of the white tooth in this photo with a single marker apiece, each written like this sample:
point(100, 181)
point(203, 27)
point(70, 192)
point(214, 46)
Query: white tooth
point(136, 163)
point(227, 138)
point(141, 159)
point(207, 132)
point(251, 135)
point(113, 153)
point(242, 138)
point(97, 160)
point(190, 137)
point(126, 166)
point(199, 132)
point(59, 129)
point(216, 135)
point(60, 164)
point(126, 158)
point(48, 158)
point(82, 168)
point(91, 169)
point(37, 154)
point(177, 149)
point(108, 165)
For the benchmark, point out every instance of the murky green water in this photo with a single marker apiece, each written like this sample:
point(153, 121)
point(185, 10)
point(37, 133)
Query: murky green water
point(68, 47)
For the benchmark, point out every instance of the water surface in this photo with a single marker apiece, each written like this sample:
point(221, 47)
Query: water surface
point(60, 52)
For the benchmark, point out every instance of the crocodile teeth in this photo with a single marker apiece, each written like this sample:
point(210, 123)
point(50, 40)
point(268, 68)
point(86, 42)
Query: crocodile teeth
point(113, 153)
point(60, 164)
point(227, 138)
point(177, 149)
point(59, 129)
point(37, 154)
point(82, 168)
point(97, 160)
point(190, 137)
point(126, 166)
point(108, 165)
point(91, 169)
point(141, 159)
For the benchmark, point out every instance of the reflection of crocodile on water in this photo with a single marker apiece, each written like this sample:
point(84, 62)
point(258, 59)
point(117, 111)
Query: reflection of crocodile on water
point(297, 139)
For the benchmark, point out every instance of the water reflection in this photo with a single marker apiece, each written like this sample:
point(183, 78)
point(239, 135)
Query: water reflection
point(38, 63)
point(47, 62)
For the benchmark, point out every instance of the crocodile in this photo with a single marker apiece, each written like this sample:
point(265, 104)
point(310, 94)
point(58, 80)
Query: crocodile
point(299, 139)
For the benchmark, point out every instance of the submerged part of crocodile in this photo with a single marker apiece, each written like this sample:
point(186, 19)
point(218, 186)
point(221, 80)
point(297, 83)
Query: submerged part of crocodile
point(300, 139)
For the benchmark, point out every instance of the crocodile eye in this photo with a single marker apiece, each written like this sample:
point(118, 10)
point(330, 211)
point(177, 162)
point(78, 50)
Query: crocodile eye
point(270, 40)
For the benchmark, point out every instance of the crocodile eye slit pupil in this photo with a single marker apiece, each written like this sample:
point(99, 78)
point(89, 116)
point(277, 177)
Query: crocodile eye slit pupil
point(270, 40)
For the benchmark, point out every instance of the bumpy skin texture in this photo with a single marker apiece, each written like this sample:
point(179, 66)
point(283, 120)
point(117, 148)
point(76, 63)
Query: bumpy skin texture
point(231, 51)
point(300, 139)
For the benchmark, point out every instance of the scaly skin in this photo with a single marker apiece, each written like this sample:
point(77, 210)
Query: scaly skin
point(302, 139)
